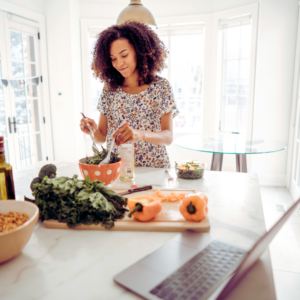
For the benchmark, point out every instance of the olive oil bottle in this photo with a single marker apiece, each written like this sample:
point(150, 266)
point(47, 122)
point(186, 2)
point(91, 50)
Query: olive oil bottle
point(7, 186)
point(127, 154)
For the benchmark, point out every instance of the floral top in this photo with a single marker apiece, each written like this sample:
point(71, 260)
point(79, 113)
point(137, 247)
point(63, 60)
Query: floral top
point(143, 111)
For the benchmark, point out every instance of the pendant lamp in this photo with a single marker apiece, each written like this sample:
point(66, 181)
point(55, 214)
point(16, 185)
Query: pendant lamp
point(135, 11)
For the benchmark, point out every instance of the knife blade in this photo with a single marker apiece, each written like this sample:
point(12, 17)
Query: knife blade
point(131, 191)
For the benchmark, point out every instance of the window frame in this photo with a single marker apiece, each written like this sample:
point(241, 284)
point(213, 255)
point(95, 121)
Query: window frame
point(223, 85)
point(40, 21)
point(249, 9)
point(174, 27)
point(295, 106)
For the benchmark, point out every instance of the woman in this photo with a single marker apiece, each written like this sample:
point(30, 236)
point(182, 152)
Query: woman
point(127, 57)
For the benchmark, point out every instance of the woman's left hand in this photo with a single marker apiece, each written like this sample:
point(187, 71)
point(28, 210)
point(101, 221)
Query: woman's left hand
point(126, 134)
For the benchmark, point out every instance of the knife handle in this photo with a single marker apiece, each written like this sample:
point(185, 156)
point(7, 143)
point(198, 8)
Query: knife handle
point(144, 188)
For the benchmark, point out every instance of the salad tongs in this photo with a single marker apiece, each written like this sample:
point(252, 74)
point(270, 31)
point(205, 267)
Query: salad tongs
point(94, 147)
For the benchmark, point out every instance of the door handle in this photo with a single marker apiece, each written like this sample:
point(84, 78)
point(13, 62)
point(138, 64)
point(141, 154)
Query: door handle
point(9, 125)
point(15, 126)
point(14, 123)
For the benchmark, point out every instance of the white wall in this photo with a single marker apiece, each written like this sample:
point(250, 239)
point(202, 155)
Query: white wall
point(108, 9)
point(63, 40)
point(34, 5)
point(77, 75)
point(275, 65)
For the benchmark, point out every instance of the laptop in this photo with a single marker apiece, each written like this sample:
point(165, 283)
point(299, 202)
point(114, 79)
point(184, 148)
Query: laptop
point(192, 266)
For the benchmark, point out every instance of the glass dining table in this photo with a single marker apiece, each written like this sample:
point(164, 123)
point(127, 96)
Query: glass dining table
point(226, 143)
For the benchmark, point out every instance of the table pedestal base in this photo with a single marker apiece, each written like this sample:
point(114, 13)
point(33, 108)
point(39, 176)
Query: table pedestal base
point(241, 163)
point(217, 162)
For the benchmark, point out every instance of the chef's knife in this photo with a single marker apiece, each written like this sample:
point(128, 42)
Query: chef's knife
point(131, 191)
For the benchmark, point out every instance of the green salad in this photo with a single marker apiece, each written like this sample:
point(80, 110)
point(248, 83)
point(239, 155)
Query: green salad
point(190, 169)
point(98, 157)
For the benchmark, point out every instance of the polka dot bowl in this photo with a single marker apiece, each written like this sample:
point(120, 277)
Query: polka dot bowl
point(107, 173)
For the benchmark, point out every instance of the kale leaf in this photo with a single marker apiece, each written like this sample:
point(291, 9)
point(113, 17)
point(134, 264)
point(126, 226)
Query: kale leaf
point(75, 201)
point(99, 156)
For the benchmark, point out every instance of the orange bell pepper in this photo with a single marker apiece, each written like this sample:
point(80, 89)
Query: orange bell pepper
point(143, 209)
point(194, 207)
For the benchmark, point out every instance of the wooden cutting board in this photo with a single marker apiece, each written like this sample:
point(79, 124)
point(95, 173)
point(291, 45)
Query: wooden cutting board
point(168, 220)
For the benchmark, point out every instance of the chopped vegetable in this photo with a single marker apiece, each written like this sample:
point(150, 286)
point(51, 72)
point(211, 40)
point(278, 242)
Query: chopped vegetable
point(143, 209)
point(190, 170)
point(75, 201)
point(194, 207)
point(171, 197)
point(159, 196)
point(98, 157)
point(48, 170)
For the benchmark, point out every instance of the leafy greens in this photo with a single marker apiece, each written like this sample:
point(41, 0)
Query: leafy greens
point(75, 201)
point(99, 156)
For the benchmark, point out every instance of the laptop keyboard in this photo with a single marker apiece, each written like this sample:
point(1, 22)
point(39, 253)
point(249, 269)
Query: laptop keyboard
point(200, 273)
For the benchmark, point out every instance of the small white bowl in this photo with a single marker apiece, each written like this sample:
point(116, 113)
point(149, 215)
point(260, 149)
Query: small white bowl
point(13, 242)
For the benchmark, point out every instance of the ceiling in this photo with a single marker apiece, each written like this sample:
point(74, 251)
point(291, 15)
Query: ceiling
point(126, 2)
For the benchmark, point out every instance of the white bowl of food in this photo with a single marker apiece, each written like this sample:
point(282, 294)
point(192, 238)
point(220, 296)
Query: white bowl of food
point(17, 219)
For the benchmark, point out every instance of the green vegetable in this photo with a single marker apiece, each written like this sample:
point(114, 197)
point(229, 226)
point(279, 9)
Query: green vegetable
point(75, 201)
point(98, 157)
point(48, 170)
point(192, 174)
point(34, 181)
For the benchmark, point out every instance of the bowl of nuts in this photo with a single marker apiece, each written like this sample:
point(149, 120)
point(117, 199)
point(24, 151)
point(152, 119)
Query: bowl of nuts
point(17, 219)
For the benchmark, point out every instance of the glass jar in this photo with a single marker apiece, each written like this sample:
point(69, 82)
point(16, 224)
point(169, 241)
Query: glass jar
point(190, 169)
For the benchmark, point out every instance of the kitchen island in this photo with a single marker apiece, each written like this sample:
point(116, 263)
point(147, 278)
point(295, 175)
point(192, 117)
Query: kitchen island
point(73, 264)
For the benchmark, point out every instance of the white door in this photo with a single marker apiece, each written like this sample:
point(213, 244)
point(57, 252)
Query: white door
point(295, 175)
point(21, 117)
point(293, 170)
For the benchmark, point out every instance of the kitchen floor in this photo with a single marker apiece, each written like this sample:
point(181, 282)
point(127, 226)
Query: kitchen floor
point(285, 248)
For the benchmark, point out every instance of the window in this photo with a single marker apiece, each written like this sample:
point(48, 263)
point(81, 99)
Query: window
point(21, 97)
point(236, 50)
point(185, 73)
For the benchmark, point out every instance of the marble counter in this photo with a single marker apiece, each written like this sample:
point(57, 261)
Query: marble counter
point(70, 264)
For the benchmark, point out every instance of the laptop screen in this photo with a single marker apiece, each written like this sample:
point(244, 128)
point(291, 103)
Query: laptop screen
point(257, 250)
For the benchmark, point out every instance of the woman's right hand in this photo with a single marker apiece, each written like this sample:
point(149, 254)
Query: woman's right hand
point(84, 125)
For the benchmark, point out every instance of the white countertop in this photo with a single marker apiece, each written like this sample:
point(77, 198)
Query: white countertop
point(72, 264)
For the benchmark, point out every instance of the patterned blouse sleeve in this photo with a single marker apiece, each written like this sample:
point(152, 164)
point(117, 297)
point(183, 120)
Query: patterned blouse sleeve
point(167, 102)
point(104, 101)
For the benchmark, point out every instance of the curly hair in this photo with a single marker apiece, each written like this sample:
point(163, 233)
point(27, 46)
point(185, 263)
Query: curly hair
point(150, 51)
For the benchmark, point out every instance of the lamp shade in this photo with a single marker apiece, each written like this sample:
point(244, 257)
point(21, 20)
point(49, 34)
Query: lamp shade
point(135, 11)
